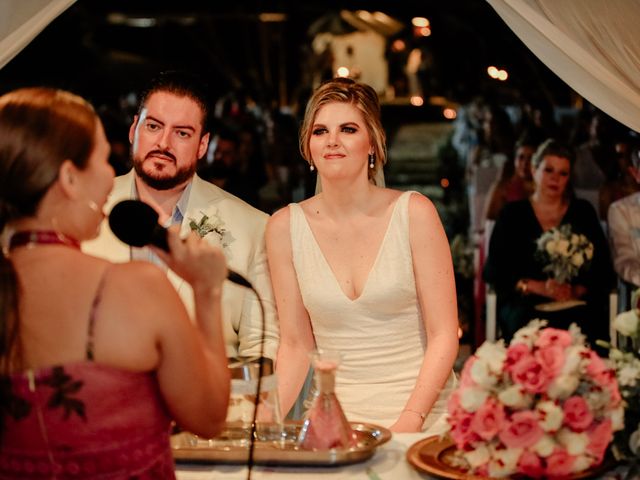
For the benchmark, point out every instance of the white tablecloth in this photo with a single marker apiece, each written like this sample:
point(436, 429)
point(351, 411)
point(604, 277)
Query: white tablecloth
point(388, 463)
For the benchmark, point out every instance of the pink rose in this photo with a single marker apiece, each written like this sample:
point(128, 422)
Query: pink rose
point(600, 437)
point(488, 419)
point(553, 337)
point(577, 415)
point(465, 375)
point(521, 431)
point(461, 432)
point(514, 354)
point(530, 465)
point(559, 463)
point(598, 370)
point(529, 373)
point(551, 358)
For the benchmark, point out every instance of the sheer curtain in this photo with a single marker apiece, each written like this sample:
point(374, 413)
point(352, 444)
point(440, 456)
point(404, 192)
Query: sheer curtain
point(593, 45)
point(22, 20)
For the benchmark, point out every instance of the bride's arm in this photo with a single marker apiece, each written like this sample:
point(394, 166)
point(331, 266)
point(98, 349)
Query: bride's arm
point(435, 284)
point(296, 336)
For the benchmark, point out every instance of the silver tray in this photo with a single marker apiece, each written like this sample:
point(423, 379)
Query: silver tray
point(275, 447)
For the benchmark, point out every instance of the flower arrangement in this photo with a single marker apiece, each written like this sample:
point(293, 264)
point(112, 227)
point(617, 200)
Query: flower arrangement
point(564, 252)
point(204, 226)
point(545, 406)
point(626, 361)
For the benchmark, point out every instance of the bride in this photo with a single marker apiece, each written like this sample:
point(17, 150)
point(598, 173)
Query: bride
point(363, 270)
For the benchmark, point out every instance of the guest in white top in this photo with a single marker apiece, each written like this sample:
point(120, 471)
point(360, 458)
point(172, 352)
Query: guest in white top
point(363, 270)
point(624, 230)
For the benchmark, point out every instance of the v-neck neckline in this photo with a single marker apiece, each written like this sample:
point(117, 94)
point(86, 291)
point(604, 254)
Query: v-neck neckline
point(373, 265)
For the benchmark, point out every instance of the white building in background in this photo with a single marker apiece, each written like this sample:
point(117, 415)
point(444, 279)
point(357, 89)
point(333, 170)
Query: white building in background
point(360, 54)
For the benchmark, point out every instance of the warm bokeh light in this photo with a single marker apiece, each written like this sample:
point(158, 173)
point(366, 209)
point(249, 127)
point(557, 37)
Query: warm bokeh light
point(398, 45)
point(424, 31)
point(492, 71)
point(342, 72)
point(449, 113)
point(444, 182)
point(420, 22)
point(272, 17)
point(417, 101)
point(503, 75)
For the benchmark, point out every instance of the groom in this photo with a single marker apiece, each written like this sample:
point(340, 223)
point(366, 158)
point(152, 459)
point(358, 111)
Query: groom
point(168, 136)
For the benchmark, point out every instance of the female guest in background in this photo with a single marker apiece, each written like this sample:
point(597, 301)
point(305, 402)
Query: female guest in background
point(516, 273)
point(95, 358)
point(365, 271)
point(515, 181)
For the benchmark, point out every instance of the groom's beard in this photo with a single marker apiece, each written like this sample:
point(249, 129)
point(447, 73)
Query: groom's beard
point(160, 180)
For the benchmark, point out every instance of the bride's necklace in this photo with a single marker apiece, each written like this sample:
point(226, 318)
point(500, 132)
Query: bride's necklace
point(31, 238)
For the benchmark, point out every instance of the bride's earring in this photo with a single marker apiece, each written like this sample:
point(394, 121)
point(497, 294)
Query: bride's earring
point(311, 167)
point(372, 160)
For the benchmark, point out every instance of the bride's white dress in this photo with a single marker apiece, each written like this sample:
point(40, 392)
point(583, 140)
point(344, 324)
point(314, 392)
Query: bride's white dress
point(380, 334)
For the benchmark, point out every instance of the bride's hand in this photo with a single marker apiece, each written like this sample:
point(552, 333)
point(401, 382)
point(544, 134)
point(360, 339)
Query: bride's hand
point(408, 422)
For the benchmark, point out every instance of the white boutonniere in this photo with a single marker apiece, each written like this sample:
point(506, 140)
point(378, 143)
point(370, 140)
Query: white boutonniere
point(212, 224)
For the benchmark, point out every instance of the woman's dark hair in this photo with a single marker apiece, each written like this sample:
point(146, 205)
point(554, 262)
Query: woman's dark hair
point(552, 147)
point(182, 84)
point(40, 128)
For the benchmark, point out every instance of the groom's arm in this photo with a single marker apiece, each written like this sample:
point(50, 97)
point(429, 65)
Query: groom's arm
point(250, 328)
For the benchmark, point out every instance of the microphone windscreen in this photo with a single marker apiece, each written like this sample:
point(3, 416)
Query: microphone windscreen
point(133, 222)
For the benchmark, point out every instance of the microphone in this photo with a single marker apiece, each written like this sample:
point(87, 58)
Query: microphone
point(136, 223)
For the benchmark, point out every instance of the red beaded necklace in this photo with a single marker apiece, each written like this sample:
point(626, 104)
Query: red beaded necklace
point(29, 238)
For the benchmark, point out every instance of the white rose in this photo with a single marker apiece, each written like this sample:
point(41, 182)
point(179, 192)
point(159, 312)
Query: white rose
point(504, 462)
point(545, 446)
point(563, 247)
point(597, 400)
point(563, 386)
point(552, 416)
point(529, 334)
point(617, 418)
point(581, 463)
point(629, 374)
point(575, 443)
point(477, 457)
point(626, 323)
point(494, 354)
point(481, 374)
point(514, 397)
point(575, 239)
point(472, 398)
point(551, 247)
point(634, 441)
point(589, 251)
point(573, 357)
point(577, 260)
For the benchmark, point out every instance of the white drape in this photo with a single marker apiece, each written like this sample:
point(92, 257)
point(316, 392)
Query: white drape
point(22, 20)
point(593, 45)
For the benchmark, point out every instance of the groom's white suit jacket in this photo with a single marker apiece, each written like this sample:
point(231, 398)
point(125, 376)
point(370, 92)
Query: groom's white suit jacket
point(245, 254)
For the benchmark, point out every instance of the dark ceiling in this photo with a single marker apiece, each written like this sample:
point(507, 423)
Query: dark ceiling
point(85, 50)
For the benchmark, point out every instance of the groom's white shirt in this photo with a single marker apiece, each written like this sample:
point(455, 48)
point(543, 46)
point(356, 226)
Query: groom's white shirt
point(245, 254)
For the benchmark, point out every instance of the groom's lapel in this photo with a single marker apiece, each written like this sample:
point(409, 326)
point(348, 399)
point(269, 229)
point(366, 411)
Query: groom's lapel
point(203, 200)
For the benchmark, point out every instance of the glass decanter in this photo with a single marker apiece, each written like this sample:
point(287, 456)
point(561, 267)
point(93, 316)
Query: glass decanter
point(325, 424)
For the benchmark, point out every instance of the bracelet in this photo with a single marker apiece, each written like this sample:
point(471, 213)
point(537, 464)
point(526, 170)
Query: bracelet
point(421, 414)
